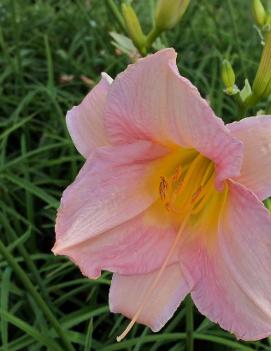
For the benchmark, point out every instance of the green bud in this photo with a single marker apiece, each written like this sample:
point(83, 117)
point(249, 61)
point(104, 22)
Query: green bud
point(133, 26)
point(267, 92)
point(169, 12)
point(268, 204)
point(259, 13)
point(228, 76)
point(263, 76)
point(268, 19)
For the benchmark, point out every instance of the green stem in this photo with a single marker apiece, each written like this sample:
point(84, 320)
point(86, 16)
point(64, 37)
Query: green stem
point(154, 33)
point(116, 13)
point(36, 296)
point(141, 50)
point(242, 107)
point(252, 100)
point(189, 324)
point(242, 110)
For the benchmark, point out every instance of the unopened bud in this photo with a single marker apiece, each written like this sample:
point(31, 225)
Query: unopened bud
point(133, 26)
point(228, 76)
point(267, 92)
point(263, 76)
point(268, 21)
point(268, 204)
point(259, 13)
point(169, 13)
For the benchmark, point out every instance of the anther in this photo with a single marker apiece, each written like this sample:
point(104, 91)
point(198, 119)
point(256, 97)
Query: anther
point(177, 181)
point(163, 187)
point(196, 194)
point(177, 174)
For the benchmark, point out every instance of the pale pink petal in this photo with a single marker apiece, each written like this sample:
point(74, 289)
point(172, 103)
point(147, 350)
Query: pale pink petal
point(85, 122)
point(151, 101)
point(127, 293)
point(137, 246)
point(255, 133)
point(110, 189)
point(231, 279)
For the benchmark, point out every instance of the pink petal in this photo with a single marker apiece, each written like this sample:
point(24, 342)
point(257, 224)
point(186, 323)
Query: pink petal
point(151, 101)
point(127, 293)
point(137, 246)
point(85, 122)
point(110, 189)
point(232, 280)
point(255, 133)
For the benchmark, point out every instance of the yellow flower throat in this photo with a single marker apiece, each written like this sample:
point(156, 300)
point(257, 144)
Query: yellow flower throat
point(189, 187)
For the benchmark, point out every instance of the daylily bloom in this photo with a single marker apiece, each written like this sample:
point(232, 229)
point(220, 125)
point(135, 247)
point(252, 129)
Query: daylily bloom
point(170, 200)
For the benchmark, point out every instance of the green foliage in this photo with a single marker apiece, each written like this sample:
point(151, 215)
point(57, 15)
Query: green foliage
point(46, 48)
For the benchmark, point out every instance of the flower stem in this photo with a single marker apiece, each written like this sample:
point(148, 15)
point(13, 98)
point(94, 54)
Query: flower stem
point(242, 108)
point(116, 13)
point(241, 112)
point(189, 324)
point(154, 33)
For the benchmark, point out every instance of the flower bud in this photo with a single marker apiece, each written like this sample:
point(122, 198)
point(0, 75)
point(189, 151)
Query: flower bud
point(133, 26)
point(259, 12)
point(268, 204)
point(228, 76)
point(169, 13)
point(267, 91)
point(268, 21)
point(263, 76)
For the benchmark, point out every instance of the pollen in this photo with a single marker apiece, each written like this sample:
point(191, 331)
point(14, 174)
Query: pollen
point(163, 188)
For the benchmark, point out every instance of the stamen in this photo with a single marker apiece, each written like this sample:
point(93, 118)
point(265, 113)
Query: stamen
point(179, 194)
point(207, 174)
point(196, 195)
point(177, 175)
point(180, 185)
point(192, 169)
point(203, 197)
point(156, 280)
point(163, 187)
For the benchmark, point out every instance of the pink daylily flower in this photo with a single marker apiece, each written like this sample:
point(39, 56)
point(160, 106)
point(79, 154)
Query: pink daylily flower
point(170, 200)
